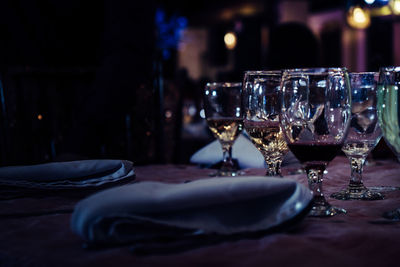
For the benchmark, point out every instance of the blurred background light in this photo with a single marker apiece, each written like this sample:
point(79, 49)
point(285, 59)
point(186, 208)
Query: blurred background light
point(230, 40)
point(395, 6)
point(358, 17)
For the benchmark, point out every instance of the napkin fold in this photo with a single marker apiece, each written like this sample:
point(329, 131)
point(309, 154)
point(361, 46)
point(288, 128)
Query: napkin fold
point(81, 173)
point(247, 155)
point(153, 210)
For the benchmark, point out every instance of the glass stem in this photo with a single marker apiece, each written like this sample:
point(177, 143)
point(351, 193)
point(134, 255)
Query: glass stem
point(315, 177)
point(274, 168)
point(227, 163)
point(356, 171)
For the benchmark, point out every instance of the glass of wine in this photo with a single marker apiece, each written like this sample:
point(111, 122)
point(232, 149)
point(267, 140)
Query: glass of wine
point(364, 134)
point(262, 103)
point(222, 107)
point(315, 119)
point(389, 114)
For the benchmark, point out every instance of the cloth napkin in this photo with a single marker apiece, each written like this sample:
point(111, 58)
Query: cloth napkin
point(247, 155)
point(81, 173)
point(146, 211)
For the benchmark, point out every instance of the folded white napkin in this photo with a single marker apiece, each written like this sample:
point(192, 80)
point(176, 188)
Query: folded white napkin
point(149, 210)
point(247, 155)
point(81, 173)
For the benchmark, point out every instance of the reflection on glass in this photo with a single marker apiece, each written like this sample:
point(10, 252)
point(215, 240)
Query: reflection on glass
point(222, 107)
point(315, 119)
point(364, 134)
point(262, 103)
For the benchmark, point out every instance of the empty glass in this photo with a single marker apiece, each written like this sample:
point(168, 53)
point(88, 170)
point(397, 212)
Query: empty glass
point(364, 134)
point(262, 103)
point(222, 107)
point(315, 119)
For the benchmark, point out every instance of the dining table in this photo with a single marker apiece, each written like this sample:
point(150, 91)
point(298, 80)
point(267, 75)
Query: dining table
point(35, 227)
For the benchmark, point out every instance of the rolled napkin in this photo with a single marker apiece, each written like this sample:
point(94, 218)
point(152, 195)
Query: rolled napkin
point(247, 155)
point(81, 173)
point(148, 211)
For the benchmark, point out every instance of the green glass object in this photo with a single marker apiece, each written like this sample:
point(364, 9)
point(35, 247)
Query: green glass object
point(388, 116)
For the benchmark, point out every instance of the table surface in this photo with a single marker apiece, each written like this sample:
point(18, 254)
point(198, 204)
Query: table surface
point(35, 229)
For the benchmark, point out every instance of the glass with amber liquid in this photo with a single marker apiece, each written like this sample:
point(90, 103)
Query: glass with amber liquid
point(222, 107)
point(262, 105)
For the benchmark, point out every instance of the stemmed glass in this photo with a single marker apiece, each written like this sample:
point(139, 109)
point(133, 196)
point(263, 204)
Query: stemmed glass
point(364, 134)
point(389, 115)
point(222, 107)
point(262, 102)
point(315, 119)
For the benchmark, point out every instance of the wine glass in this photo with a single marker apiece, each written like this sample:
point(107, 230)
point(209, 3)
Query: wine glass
point(315, 119)
point(364, 134)
point(262, 102)
point(222, 107)
point(388, 115)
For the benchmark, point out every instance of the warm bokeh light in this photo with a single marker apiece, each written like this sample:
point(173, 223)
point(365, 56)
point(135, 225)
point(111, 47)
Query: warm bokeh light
point(230, 40)
point(359, 15)
point(243, 10)
point(385, 10)
point(395, 5)
point(358, 18)
point(248, 10)
point(40, 117)
point(168, 114)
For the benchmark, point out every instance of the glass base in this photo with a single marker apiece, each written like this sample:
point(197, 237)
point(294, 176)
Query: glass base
point(393, 215)
point(357, 192)
point(325, 211)
point(321, 208)
point(224, 173)
point(384, 188)
point(274, 175)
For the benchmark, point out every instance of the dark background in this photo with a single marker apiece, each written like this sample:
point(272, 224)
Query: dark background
point(82, 79)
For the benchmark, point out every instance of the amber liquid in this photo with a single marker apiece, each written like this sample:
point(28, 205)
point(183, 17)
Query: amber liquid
point(268, 138)
point(358, 149)
point(226, 130)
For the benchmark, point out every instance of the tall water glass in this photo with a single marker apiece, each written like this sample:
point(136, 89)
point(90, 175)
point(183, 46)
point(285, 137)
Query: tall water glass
point(364, 134)
point(315, 119)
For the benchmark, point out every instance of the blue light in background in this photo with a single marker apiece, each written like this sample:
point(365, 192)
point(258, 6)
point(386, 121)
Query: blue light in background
point(169, 31)
point(369, 3)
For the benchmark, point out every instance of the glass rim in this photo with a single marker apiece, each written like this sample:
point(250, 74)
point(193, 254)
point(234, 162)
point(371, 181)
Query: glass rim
point(364, 75)
point(314, 71)
point(390, 69)
point(224, 84)
point(263, 72)
point(363, 72)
